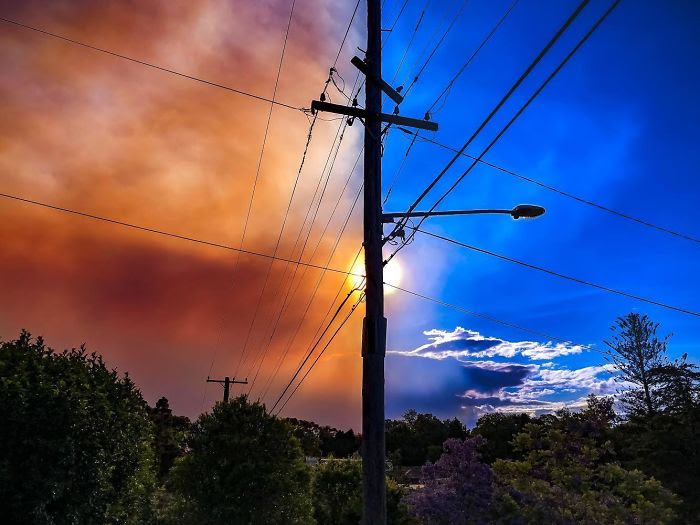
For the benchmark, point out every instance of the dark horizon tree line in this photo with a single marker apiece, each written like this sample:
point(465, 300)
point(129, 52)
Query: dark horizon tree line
point(82, 446)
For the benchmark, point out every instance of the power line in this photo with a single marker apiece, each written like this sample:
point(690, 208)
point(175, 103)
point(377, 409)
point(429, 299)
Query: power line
point(516, 116)
point(303, 359)
point(493, 112)
point(483, 316)
point(284, 302)
point(445, 92)
point(328, 343)
point(556, 274)
point(410, 41)
point(301, 166)
point(551, 188)
point(393, 26)
point(258, 254)
point(260, 159)
point(339, 132)
point(154, 66)
point(341, 129)
point(277, 244)
point(311, 350)
point(321, 276)
point(345, 36)
point(437, 46)
point(174, 235)
point(327, 168)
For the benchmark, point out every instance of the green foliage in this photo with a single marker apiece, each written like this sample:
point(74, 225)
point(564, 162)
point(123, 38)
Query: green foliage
point(661, 434)
point(76, 439)
point(170, 435)
point(337, 492)
point(243, 466)
point(324, 441)
point(667, 447)
point(568, 474)
point(418, 438)
point(499, 429)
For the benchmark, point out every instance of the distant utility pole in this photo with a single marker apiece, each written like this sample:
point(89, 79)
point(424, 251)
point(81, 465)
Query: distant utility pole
point(227, 382)
point(374, 326)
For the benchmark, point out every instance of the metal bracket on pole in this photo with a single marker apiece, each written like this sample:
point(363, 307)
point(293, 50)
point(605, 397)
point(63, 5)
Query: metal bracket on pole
point(373, 331)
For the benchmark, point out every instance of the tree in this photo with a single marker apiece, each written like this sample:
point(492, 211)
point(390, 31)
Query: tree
point(76, 438)
point(243, 466)
point(569, 474)
point(337, 492)
point(666, 445)
point(498, 430)
point(679, 386)
point(307, 432)
point(170, 435)
point(636, 352)
point(418, 438)
point(458, 489)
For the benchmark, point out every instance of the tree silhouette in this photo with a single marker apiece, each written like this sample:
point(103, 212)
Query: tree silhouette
point(243, 466)
point(636, 352)
point(76, 439)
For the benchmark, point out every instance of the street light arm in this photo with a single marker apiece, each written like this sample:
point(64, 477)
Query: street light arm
point(389, 217)
point(528, 211)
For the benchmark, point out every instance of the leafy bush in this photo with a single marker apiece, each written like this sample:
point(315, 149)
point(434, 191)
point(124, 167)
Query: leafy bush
point(243, 466)
point(76, 439)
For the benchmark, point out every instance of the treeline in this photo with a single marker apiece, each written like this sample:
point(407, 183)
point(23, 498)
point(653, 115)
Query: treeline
point(80, 445)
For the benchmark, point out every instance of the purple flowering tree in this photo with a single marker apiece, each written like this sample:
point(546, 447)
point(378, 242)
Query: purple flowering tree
point(458, 489)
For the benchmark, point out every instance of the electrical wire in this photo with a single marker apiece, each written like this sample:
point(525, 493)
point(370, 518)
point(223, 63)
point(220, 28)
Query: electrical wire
point(556, 274)
point(323, 350)
point(437, 46)
point(532, 65)
point(172, 234)
point(154, 66)
point(410, 41)
point(311, 350)
point(341, 130)
point(257, 173)
point(321, 276)
point(330, 79)
point(345, 36)
point(483, 316)
point(267, 256)
point(498, 106)
point(582, 200)
point(285, 302)
point(446, 91)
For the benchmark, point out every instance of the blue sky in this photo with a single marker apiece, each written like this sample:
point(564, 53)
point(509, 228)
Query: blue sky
point(616, 126)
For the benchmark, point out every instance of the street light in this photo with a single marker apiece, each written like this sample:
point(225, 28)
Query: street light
point(521, 211)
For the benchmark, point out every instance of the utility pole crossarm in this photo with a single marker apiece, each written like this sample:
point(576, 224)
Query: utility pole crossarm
point(227, 382)
point(352, 111)
point(386, 88)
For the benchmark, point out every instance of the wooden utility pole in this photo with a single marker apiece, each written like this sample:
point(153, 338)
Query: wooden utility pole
point(374, 324)
point(227, 382)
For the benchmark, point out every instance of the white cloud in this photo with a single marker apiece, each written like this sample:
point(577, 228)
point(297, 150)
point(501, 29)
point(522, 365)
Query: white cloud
point(461, 342)
point(534, 393)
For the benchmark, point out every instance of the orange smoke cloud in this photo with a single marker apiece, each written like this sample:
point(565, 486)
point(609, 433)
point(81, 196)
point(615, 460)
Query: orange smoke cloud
point(84, 130)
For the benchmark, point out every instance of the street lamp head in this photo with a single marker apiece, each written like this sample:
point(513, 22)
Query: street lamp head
point(526, 211)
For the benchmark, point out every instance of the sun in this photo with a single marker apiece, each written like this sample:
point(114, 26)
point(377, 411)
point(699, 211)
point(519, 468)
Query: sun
point(392, 275)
